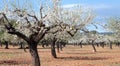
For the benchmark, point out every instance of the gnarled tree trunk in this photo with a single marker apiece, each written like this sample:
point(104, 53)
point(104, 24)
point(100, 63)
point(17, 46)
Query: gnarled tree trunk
point(34, 54)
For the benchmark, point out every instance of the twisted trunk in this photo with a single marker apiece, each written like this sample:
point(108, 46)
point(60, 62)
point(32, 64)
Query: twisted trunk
point(34, 54)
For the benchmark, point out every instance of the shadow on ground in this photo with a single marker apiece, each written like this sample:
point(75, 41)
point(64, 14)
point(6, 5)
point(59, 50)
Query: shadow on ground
point(12, 62)
point(83, 58)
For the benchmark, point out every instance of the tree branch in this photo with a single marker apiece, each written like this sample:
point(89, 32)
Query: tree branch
point(33, 17)
point(41, 15)
point(72, 33)
point(12, 30)
point(19, 35)
point(5, 18)
point(41, 34)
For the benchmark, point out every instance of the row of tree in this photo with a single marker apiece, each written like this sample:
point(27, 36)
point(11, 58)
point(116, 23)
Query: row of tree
point(32, 24)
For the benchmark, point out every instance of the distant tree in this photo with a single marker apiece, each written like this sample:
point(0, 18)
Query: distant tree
point(91, 37)
point(113, 26)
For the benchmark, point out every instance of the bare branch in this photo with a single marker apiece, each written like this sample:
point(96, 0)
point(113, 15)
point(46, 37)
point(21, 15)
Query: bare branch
point(12, 30)
point(19, 35)
point(41, 34)
point(17, 10)
point(52, 26)
point(2, 18)
point(29, 24)
point(44, 16)
point(33, 17)
point(72, 32)
point(5, 18)
point(41, 15)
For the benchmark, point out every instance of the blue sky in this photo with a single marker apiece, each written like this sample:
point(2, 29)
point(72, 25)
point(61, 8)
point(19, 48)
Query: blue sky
point(102, 8)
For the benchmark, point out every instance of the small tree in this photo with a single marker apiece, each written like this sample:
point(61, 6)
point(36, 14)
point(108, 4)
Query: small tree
point(30, 28)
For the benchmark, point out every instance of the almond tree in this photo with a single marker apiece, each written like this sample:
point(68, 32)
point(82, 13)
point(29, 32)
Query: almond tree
point(31, 28)
point(70, 21)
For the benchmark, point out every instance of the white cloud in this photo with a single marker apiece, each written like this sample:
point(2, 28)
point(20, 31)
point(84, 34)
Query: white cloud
point(70, 5)
point(95, 6)
point(100, 6)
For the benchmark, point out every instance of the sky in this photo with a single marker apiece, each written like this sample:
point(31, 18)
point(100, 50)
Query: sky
point(102, 9)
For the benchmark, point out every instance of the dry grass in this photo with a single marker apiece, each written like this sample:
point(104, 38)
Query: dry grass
point(71, 56)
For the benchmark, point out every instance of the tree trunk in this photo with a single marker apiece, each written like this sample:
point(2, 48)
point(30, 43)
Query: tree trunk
point(97, 44)
point(94, 49)
point(21, 45)
point(34, 54)
point(6, 45)
point(43, 46)
point(80, 44)
point(58, 47)
point(61, 47)
point(110, 44)
point(102, 44)
point(53, 52)
point(0, 43)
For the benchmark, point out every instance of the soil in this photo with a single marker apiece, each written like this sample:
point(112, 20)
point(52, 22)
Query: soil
point(70, 56)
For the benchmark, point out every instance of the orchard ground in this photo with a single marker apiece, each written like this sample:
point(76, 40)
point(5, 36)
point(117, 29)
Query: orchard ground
point(70, 56)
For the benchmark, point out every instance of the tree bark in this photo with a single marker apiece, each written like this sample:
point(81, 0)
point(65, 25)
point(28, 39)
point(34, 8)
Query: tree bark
point(53, 52)
point(58, 48)
point(34, 54)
